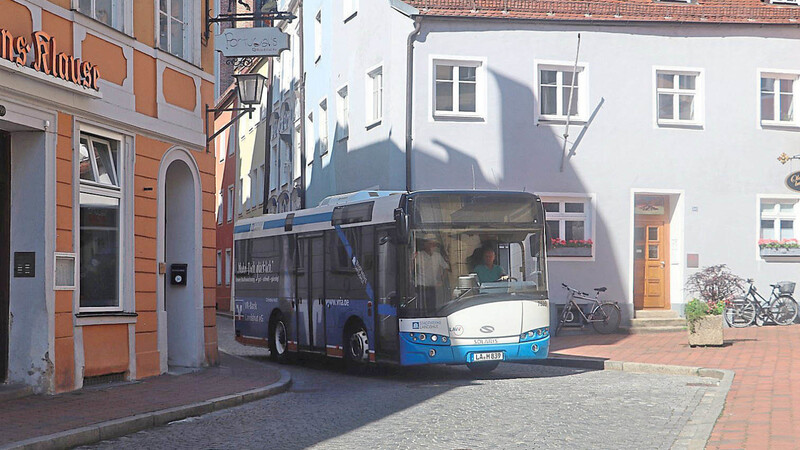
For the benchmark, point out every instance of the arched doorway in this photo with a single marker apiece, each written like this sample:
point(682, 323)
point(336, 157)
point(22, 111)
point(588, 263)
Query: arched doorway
point(180, 247)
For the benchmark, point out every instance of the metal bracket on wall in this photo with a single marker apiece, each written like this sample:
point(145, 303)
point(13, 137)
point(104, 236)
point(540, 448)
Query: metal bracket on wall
point(271, 15)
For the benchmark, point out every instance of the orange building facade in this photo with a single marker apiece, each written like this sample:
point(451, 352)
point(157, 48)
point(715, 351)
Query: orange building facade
point(107, 191)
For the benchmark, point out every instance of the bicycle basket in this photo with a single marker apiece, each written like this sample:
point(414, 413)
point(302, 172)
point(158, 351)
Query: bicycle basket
point(786, 287)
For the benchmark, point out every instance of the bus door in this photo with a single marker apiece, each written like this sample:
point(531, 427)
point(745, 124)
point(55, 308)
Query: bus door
point(310, 298)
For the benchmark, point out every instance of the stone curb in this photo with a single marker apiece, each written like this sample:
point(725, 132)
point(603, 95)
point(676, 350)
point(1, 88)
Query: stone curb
point(120, 427)
point(698, 429)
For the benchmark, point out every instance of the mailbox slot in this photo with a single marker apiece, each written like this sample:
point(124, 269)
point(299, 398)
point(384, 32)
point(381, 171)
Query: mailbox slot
point(177, 274)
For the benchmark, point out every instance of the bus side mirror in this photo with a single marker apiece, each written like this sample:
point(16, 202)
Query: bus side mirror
point(401, 223)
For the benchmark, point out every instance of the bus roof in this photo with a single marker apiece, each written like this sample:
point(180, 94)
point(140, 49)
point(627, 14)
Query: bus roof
point(380, 205)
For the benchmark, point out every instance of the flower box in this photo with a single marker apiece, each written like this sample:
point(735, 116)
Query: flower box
point(706, 331)
point(784, 247)
point(560, 247)
point(779, 251)
point(570, 251)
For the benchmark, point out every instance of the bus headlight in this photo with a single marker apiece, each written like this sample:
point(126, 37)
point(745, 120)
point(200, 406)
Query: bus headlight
point(434, 338)
point(422, 336)
point(432, 353)
point(444, 339)
point(535, 348)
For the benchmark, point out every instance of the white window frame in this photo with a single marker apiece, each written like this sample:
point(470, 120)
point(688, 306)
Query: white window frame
point(323, 123)
point(343, 113)
point(240, 199)
point(119, 14)
point(588, 216)
point(777, 216)
point(793, 75)
point(119, 193)
point(220, 206)
point(318, 36)
point(370, 92)
point(582, 115)
point(220, 268)
point(191, 30)
point(228, 263)
point(699, 97)
point(231, 198)
point(480, 86)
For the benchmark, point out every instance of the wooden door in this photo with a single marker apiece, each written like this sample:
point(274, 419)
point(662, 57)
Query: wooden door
point(5, 249)
point(651, 253)
point(655, 266)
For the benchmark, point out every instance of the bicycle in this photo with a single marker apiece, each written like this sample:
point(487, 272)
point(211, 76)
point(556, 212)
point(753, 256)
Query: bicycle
point(604, 317)
point(781, 308)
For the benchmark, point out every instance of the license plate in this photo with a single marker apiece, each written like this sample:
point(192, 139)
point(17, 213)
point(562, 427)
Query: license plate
point(489, 356)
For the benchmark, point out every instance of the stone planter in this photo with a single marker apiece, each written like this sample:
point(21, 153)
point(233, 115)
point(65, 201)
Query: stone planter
point(706, 331)
point(780, 251)
point(570, 251)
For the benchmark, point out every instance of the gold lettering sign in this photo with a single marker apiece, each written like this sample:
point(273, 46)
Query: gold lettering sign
point(47, 59)
point(793, 181)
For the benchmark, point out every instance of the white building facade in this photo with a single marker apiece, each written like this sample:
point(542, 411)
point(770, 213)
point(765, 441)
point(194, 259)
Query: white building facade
point(677, 118)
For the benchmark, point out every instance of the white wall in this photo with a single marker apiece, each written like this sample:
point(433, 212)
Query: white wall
point(720, 167)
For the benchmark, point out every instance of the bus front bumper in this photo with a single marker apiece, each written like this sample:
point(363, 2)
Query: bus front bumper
point(414, 353)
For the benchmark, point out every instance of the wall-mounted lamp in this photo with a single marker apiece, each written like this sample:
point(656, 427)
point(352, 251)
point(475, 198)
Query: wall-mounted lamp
point(250, 87)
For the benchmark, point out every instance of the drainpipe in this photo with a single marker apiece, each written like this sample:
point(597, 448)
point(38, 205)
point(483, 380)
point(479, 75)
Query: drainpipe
point(409, 95)
point(302, 100)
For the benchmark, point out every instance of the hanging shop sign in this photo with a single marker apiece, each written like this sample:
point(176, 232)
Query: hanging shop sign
point(46, 58)
point(243, 42)
point(793, 181)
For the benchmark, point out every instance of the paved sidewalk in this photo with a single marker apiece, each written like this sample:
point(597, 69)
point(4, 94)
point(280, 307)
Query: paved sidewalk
point(36, 416)
point(763, 405)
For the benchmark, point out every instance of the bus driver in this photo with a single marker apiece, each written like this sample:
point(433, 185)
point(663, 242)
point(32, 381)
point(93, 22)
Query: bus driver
point(488, 271)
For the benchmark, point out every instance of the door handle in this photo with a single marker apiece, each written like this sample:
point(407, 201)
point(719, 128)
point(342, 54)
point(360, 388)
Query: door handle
point(662, 264)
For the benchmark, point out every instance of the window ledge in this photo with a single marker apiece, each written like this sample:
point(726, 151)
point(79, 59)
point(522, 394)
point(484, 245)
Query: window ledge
point(559, 120)
point(778, 125)
point(458, 117)
point(104, 318)
point(680, 124)
point(373, 124)
point(349, 16)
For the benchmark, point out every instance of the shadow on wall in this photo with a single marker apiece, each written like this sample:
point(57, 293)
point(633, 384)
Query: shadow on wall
point(528, 159)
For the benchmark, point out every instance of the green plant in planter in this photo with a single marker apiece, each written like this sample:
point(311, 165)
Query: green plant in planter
point(697, 309)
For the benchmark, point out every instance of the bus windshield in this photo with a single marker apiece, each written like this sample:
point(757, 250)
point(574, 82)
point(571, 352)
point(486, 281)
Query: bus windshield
point(450, 265)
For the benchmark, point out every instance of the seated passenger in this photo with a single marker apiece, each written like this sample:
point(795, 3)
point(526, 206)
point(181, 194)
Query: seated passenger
point(488, 271)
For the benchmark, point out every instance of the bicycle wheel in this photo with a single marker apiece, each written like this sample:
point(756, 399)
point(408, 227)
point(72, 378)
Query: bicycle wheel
point(740, 312)
point(605, 318)
point(784, 310)
point(563, 318)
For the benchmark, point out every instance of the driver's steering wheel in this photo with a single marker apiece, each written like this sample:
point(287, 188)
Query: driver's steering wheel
point(507, 278)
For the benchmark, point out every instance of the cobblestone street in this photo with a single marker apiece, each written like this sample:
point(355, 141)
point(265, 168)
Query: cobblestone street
point(518, 406)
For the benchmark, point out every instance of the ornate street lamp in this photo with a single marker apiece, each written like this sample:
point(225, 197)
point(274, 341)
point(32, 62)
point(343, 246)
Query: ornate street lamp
point(250, 87)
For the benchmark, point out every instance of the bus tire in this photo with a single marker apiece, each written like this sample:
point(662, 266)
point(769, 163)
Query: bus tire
point(483, 367)
point(356, 346)
point(278, 339)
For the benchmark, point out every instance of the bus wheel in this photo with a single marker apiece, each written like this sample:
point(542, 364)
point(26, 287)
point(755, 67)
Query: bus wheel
point(278, 340)
point(356, 354)
point(482, 368)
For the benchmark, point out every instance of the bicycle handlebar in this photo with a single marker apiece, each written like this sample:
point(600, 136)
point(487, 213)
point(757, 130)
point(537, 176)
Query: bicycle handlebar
point(575, 291)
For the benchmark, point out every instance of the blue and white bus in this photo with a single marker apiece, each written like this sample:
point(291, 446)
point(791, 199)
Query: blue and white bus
point(398, 277)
